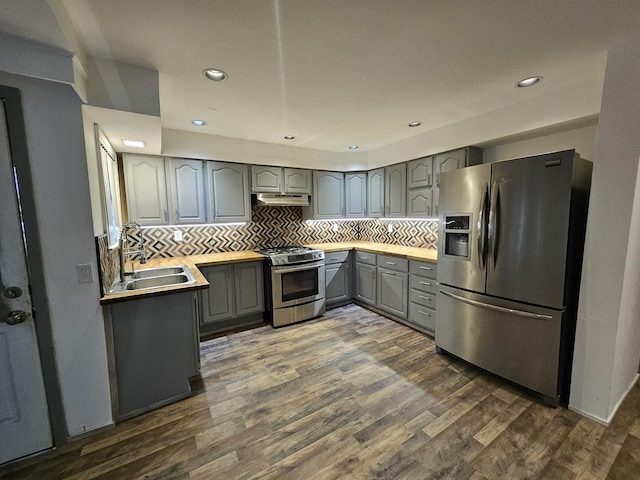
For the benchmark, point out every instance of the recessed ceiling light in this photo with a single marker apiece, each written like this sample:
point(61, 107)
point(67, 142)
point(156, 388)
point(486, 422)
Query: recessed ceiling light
point(353, 147)
point(289, 137)
point(529, 81)
point(133, 143)
point(414, 124)
point(198, 123)
point(215, 74)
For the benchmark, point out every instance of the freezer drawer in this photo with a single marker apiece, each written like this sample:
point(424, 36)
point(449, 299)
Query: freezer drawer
point(515, 341)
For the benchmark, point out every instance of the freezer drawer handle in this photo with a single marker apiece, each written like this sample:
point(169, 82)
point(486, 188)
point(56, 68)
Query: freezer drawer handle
point(475, 303)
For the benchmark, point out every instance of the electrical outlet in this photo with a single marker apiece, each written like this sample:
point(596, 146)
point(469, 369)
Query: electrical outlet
point(334, 227)
point(85, 273)
point(390, 228)
point(177, 235)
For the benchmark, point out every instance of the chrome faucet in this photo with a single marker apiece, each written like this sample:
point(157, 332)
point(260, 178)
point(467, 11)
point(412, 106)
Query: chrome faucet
point(125, 252)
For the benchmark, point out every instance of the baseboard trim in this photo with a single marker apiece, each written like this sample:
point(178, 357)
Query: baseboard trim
point(611, 415)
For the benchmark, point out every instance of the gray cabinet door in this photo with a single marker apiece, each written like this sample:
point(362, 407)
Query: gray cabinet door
point(186, 191)
point(355, 192)
point(248, 288)
point(419, 203)
point(218, 301)
point(395, 191)
point(375, 193)
point(420, 172)
point(448, 161)
point(229, 192)
point(366, 283)
point(266, 179)
point(337, 283)
point(393, 292)
point(297, 180)
point(146, 188)
point(328, 195)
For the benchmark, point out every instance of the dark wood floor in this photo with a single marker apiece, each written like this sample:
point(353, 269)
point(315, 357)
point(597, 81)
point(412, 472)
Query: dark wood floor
point(356, 396)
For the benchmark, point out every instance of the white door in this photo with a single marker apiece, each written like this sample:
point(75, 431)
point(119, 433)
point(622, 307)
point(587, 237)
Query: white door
point(24, 417)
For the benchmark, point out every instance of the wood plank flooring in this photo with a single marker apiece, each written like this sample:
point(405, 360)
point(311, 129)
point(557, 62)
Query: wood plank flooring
point(352, 395)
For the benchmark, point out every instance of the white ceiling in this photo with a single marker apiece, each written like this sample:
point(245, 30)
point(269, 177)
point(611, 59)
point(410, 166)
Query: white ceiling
point(340, 72)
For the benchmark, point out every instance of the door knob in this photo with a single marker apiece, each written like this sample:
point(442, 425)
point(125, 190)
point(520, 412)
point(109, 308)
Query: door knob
point(15, 317)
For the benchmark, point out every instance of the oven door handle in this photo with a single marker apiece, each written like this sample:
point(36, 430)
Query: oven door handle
point(306, 266)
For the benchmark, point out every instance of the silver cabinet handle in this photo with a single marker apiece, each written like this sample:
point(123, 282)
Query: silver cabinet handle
point(166, 216)
point(475, 303)
point(425, 298)
point(424, 313)
point(177, 216)
point(428, 284)
point(425, 268)
point(364, 258)
point(390, 263)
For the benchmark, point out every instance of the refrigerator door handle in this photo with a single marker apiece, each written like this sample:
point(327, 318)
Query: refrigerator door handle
point(482, 236)
point(475, 303)
point(492, 233)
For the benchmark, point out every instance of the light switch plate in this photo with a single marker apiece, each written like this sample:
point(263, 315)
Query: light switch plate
point(177, 235)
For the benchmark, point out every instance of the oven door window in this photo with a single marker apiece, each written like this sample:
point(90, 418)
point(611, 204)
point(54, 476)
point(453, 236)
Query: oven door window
point(301, 284)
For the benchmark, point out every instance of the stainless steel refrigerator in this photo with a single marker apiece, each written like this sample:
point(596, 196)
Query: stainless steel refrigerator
point(510, 246)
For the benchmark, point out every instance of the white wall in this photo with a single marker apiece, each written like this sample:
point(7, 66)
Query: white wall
point(53, 122)
point(582, 139)
point(607, 348)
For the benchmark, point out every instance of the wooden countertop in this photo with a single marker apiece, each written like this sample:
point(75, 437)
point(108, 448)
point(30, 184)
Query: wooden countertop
point(193, 262)
point(411, 253)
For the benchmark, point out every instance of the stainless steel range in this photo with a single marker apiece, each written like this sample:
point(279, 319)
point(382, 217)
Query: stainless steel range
point(294, 284)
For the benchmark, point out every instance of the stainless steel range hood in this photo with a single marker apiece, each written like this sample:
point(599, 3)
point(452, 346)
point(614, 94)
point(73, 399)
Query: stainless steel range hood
point(277, 200)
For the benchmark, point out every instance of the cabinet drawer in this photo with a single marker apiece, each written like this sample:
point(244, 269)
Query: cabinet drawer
point(423, 284)
point(424, 269)
point(422, 316)
point(424, 299)
point(336, 257)
point(364, 257)
point(393, 263)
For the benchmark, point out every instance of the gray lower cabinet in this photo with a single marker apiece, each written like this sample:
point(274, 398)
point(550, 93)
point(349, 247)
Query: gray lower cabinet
point(155, 349)
point(366, 278)
point(338, 279)
point(393, 285)
point(422, 295)
point(235, 296)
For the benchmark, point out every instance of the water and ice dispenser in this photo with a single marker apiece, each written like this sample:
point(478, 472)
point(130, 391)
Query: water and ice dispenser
point(457, 235)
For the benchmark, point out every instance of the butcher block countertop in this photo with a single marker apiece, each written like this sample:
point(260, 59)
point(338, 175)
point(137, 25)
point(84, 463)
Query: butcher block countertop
point(193, 262)
point(412, 253)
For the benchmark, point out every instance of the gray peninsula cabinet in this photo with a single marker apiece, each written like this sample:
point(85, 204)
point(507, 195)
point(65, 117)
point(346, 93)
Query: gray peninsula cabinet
point(234, 298)
point(155, 349)
point(327, 200)
point(338, 279)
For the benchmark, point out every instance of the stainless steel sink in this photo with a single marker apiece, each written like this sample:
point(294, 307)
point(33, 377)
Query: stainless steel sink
point(155, 278)
point(153, 282)
point(159, 272)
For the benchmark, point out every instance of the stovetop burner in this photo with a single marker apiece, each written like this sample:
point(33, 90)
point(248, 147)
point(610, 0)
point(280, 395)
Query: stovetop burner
point(291, 254)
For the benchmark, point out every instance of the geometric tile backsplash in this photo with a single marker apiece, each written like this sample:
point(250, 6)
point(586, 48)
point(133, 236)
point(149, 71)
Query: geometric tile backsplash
point(270, 227)
point(278, 226)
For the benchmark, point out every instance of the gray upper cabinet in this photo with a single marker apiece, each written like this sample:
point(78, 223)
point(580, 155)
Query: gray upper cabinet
point(419, 202)
point(146, 188)
point(186, 191)
point(464, 157)
point(229, 199)
point(395, 192)
point(265, 179)
point(375, 193)
point(297, 180)
point(327, 200)
point(355, 194)
point(420, 172)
